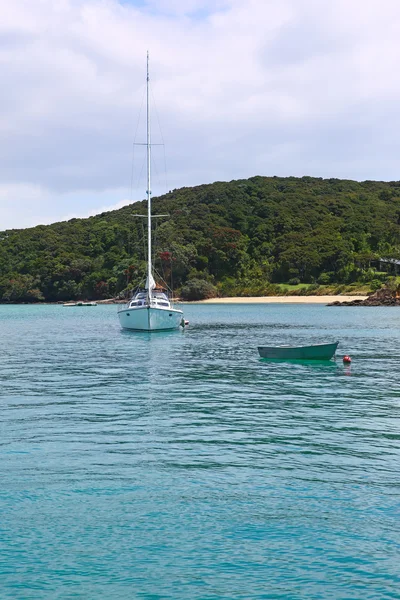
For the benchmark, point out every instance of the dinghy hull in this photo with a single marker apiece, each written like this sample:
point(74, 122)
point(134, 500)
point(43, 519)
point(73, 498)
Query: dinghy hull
point(315, 352)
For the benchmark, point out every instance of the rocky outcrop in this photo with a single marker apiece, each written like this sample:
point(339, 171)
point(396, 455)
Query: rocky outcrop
point(386, 296)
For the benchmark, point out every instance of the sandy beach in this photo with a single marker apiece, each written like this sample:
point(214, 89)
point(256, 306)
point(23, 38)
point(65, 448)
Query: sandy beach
point(282, 300)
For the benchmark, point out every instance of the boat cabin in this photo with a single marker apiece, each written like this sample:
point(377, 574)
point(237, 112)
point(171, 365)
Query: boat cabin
point(158, 298)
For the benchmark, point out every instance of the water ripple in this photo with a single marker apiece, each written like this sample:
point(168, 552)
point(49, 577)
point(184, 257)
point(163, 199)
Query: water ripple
point(182, 466)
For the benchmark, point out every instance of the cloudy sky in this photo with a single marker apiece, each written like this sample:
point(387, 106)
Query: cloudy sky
point(240, 87)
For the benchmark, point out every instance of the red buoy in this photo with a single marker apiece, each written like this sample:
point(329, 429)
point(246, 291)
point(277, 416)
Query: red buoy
point(347, 359)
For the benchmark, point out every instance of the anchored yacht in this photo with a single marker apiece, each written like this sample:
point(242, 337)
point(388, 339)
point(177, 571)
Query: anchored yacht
point(150, 309)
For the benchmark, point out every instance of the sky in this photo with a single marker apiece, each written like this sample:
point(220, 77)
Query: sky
point(239, 88)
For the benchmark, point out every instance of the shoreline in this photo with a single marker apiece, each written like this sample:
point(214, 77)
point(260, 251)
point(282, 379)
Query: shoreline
point(228, 300)
point(280, 300)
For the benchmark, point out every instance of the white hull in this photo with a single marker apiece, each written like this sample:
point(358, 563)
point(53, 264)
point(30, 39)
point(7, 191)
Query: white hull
point(145, 318)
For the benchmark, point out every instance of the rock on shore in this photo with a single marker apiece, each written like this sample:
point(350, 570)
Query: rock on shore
point(386, 296)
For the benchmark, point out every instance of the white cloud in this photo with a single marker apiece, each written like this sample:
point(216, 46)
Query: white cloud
point(28, 205)
point(19, 204)
point(242, 88)
point(97, 211)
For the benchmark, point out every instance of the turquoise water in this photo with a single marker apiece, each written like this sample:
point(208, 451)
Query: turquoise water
point(181, 466)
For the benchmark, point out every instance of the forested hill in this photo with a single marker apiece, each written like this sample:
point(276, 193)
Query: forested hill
point(229, 238)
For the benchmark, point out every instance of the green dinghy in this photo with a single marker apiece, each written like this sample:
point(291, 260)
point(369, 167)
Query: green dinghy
point(315, 352)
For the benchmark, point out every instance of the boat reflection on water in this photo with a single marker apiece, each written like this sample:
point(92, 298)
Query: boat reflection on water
point(302, 362)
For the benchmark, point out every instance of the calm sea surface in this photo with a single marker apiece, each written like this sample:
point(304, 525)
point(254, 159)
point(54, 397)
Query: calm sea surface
point(181, 466)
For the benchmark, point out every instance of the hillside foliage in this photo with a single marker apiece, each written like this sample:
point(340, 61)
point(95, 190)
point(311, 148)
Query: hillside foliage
point(234, 238)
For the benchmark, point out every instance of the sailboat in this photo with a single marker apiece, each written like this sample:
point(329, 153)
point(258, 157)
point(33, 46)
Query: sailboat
point(150, 308)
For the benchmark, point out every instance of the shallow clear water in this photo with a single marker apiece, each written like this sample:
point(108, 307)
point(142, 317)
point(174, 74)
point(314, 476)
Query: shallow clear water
point(180, 465)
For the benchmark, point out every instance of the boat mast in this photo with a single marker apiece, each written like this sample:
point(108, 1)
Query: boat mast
point(149, 274)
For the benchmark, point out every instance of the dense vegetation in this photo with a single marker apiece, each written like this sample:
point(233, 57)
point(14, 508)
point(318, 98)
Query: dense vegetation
point(236, 238)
